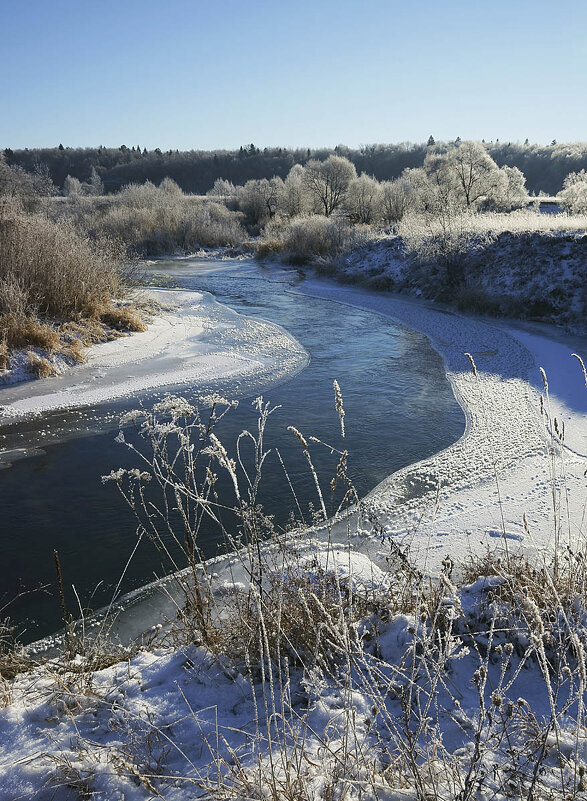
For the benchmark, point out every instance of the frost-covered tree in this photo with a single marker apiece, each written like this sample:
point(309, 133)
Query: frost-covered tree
point(295, 200)
point(327, 182)
point(363, 200)
point(95, 186)
point(465, 177)
point(222, 188)
point(259, 200)
point(475, 172)
point(170, 187)
point(72, 186)
point(397, 197)
point(510, 190)
point(573, 195)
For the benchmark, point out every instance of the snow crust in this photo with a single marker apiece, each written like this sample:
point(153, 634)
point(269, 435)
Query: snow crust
point(474, 495)
point(194, 339)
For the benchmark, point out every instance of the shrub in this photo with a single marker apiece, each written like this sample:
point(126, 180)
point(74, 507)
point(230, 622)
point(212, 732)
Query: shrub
point(159, 220)
point(52, 269)
point(305, 239)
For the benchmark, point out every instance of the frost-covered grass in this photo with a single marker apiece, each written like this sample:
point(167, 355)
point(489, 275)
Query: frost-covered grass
point(310, 671)
point(521, 221)
point(154, 220)
point(57, 289)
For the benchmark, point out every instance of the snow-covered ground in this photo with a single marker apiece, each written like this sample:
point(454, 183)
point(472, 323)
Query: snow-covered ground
point(170, 722)
point(193, 340)
point(523, 274)
point(475, 494)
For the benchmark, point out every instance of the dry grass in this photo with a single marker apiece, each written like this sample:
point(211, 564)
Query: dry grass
point(28, 331)
point(123, 318)
point(74, 352)
point(69, 339)
point(57, 288)
point(39, 366)
point(52, 270)
point(4, 355)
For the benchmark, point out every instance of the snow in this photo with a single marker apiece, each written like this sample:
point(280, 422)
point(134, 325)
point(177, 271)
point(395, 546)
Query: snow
point(110, 733)
point(454, 502)
point(193, 340)
point(169, 722)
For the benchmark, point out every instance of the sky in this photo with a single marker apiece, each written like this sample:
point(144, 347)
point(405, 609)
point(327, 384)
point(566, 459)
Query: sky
point(217, 75)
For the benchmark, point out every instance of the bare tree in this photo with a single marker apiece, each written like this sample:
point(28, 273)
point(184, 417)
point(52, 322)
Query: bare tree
point(475, 172)
point(259, 200)
point(327, 182)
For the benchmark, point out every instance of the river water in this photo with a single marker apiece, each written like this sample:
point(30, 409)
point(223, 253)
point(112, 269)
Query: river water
point(399, 409)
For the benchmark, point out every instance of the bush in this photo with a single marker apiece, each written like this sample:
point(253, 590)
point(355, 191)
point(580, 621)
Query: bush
point(57, 288)
point(52, 269)
point(161, 220)
point(306, 239)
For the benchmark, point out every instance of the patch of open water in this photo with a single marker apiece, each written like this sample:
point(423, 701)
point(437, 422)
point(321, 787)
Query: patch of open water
point(399, 409)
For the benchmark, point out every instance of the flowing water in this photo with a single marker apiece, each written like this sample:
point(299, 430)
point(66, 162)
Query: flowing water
point(399, 409)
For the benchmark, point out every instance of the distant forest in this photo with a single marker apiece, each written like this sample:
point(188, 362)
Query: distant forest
point(545, 167)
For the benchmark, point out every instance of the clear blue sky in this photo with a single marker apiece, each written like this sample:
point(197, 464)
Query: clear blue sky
point(218, 74)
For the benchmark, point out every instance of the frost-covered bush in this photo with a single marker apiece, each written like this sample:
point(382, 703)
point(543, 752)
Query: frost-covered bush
point(362, 201)
point(573, 195)
point(305, 239)
point(397, 198)
point(443, 239)
point(159, 220)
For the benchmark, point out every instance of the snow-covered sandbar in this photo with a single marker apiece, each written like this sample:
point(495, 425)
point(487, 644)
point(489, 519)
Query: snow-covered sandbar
point(194, 340)
point(475, 495)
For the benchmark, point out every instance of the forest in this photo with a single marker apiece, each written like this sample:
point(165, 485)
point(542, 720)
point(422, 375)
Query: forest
point(544, 166)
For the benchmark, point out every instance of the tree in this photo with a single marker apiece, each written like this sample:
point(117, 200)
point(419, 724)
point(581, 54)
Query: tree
point(327, 182)
point(363, 200)
point(573, 195)
point(95, 184)
point(475, 171)
point(222, 188)
point(169, 187)
point(431, 141)
point(295, 201)
point(259, 200)
point(72, 187)
point(397, 197)
point(510, 191)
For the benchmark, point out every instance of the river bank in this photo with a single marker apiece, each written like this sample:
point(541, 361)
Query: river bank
point(509, 464)
point(177, 718)
point(191, 339)
point(507, 484)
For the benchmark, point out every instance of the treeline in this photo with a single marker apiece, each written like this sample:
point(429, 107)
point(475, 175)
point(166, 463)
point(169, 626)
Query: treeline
point(544, 167)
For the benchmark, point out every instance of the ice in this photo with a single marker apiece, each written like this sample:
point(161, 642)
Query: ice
point(193, 340)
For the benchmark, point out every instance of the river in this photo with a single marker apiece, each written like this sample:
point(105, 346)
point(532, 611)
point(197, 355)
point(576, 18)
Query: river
point(399, 409)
